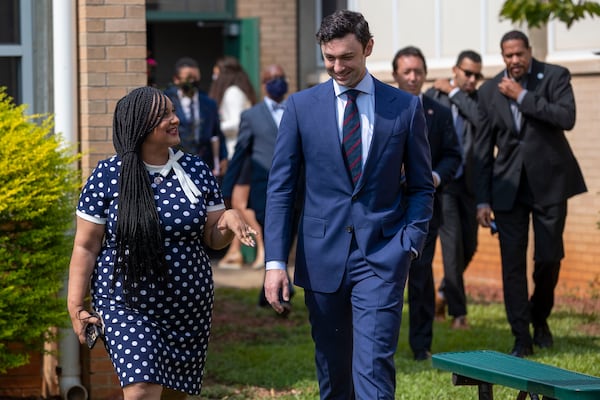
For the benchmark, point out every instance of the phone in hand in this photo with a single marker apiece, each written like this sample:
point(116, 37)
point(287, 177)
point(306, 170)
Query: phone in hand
point(92, 333)
point(493, 227)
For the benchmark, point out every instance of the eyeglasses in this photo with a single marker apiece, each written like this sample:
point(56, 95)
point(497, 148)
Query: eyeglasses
point(478, 76)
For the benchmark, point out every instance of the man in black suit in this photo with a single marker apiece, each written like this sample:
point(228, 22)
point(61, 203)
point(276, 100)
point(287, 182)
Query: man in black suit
point(199, 127)
point(409, 72)
point(526, 169)
point(458, 233)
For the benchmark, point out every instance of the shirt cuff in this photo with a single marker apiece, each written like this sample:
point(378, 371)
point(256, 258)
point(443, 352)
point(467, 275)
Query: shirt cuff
point(521, 95)
point(453, 92)
point(275, 265)
point(413, 253)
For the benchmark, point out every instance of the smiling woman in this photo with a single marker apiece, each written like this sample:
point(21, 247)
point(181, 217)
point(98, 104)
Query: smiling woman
point(144, 219)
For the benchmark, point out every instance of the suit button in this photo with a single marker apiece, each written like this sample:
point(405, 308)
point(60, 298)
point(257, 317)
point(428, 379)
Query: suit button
point(349, 229)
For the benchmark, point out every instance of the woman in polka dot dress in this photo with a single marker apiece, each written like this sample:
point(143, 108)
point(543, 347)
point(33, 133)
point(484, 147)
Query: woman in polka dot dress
point(143, 219)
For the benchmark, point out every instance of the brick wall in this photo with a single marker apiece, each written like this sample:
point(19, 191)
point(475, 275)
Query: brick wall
point(277, 33)
point(112, 61)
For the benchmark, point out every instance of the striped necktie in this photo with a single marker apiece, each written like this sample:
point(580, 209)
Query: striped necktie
point(351, 136)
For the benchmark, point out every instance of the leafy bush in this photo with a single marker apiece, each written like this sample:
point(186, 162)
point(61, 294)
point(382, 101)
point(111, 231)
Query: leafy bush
point(38, 189)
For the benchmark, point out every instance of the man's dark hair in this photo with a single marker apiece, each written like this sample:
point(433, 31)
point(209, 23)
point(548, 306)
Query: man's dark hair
point(185, 62)
point(515, 35)
point(409, 51)
point(341, 23)
point(470, 54)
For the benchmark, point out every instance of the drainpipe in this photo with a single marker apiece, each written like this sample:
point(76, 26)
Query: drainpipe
point(64, 36)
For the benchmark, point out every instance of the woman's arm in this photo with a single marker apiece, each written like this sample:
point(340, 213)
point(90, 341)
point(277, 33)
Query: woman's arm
point(86, 247)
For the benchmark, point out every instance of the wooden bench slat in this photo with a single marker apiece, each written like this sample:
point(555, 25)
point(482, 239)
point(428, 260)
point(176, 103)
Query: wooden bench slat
point(518, 373)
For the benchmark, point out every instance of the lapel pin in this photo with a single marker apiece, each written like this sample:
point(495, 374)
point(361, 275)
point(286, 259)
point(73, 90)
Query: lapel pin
point(540, 75)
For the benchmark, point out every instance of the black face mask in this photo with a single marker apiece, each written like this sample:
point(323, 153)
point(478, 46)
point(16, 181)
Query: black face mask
point(189, 88)
point(277, 88)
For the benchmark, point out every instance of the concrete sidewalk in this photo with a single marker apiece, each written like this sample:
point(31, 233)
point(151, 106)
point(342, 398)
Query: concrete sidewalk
point(244, 278)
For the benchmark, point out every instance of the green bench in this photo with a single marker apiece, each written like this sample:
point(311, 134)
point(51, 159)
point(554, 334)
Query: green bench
point(487, 368)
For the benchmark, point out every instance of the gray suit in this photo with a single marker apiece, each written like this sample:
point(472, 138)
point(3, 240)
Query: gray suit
point(256, 140)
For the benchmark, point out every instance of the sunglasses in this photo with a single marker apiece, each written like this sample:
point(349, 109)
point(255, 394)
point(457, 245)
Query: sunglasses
point(469, 74)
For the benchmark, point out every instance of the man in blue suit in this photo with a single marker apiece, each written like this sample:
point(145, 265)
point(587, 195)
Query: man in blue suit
point(199, 127)
point(361, 222)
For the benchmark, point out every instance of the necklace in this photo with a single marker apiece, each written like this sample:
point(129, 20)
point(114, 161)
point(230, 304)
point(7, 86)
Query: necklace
point(158, 178)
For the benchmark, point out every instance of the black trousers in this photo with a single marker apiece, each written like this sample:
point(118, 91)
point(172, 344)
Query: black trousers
point(513, 229)
point(458, 238)
point(421, 295)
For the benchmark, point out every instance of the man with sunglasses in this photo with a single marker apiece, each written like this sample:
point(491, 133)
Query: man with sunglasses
point(458, 233)
point(527, 170)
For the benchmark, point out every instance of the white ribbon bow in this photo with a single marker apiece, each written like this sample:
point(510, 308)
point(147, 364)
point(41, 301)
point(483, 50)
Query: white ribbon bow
point(187, 184)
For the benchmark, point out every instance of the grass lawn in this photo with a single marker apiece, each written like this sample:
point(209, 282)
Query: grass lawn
point(255, 354)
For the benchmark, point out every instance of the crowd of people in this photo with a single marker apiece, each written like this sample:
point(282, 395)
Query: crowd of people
point(223, 169)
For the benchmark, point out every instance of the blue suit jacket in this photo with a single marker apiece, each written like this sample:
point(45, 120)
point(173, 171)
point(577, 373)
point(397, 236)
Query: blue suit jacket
point(209, 126)
point(256, 140)
point(386, 216)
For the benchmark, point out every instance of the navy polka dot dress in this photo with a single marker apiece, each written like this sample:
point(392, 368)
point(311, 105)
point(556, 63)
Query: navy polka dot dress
point(163, 337)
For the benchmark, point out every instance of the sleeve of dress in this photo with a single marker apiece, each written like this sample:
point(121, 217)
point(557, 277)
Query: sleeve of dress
point(93, 201)
point(211, 189)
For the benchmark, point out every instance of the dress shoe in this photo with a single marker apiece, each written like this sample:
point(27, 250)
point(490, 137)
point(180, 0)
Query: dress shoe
point(422, 355)
point(521, 350)
point(460, 323)
point(440, 308)
point(542, 337)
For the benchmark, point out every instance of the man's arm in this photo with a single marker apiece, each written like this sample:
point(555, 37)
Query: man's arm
point(419, 181)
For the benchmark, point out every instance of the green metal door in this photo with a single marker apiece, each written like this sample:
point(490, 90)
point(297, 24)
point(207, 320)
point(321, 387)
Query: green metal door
point(243, 42)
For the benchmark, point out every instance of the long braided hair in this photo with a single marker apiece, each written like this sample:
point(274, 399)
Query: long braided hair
point(140, 248)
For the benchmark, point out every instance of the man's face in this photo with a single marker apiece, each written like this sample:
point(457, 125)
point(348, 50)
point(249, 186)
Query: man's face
point(467, 74)
point(187, 74)
point(517, 58)
point(410, 74)
point(188, 79)
point(346, 60)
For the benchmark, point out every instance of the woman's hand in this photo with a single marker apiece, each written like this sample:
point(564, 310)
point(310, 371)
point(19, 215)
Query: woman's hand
point(222, 226)
point(232, 220)
point(80, 319)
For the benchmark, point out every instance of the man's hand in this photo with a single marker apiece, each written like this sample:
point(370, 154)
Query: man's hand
point(484, 215)
point(510, 88)
point(443, 85)
point(276, 280)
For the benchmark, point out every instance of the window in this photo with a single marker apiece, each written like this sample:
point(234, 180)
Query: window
point(16, 49)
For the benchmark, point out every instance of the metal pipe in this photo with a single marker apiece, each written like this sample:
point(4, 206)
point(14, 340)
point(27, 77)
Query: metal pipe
point(64, 36)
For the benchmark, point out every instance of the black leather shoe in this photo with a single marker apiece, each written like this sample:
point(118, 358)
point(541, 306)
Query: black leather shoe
point(521, 350)
point(542, 337)
point(422, 355)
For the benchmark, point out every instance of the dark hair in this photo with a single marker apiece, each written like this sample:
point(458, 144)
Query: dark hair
point(185, 62)
point(409, 51)
point(231, 73)
point(470, 54)
point(515, 35)
point(140, 254)
point(341, 23)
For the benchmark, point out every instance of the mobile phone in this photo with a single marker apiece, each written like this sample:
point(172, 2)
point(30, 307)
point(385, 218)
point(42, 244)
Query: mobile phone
point(92, 333)
point(493, 227)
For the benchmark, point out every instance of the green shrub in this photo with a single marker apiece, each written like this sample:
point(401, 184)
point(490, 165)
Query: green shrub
point(38, 189)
